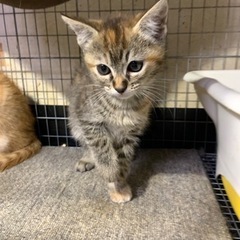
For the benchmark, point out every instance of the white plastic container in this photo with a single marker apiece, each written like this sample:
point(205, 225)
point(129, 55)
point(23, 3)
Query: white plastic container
point(219, 93)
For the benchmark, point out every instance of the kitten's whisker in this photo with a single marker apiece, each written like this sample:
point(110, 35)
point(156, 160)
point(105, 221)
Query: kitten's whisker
point(152, 96)
point(96, 97)
point(155, 91)
point(154, 86)
point(149, 98)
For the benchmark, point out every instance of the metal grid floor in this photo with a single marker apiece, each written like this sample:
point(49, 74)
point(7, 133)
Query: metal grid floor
point(209, 162)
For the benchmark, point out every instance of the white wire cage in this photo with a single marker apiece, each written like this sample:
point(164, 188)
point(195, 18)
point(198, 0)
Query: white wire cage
point(40, 54)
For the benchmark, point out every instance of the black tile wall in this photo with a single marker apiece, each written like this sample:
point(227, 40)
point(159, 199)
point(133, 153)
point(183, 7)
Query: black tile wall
point(169, 128)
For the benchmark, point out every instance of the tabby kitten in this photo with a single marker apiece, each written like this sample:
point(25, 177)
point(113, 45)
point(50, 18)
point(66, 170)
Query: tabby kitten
point(114, 90)
point(17, 136)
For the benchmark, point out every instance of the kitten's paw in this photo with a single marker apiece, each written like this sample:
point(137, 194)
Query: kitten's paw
point(83, 166)
point(120, 195)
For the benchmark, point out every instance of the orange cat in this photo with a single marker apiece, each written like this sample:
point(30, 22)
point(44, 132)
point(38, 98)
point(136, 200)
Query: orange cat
point(17, 135)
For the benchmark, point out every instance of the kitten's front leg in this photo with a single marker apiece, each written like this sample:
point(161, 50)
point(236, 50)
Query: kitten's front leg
point(119, 190)
point(115, 171)
point(108, 162)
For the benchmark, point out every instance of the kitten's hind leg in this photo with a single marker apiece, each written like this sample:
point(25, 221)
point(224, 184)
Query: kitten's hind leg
point(86, 163)
point(83, 166)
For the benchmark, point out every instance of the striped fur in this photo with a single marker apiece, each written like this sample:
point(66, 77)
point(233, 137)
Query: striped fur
point(17, 137)
point(108, 112)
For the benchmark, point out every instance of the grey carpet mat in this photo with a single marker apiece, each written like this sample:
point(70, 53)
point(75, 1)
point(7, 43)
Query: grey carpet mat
point(44, 198)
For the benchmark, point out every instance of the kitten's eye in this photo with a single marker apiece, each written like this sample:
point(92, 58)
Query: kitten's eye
point(103, 69)
point(135, 66)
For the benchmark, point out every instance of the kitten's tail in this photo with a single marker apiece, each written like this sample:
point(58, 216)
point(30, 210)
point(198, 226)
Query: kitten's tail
point(8, 160)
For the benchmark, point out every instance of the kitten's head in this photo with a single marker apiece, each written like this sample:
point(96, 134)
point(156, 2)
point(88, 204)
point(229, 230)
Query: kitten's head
point(123, 55)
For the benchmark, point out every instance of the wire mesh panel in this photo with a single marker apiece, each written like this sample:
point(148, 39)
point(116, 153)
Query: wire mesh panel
point(40, 54)
point(209, 162)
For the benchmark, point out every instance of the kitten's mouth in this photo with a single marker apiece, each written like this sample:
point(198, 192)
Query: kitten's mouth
point(123, 95)
point(119, 95)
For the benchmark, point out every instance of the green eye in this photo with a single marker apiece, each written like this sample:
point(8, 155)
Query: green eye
point(103, 69)
point(135, 66)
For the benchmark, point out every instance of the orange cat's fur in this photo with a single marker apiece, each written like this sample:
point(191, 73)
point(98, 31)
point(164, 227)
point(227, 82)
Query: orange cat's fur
point(17, 135)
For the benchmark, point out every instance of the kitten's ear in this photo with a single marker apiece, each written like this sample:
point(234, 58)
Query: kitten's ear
point(153, 24)
point(85, 33)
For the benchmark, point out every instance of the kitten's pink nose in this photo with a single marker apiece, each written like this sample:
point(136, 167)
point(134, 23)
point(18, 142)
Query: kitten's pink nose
point(120, 86)
point(121, 90)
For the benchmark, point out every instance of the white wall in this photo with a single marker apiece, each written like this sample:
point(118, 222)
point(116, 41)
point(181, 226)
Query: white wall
point(40, 54)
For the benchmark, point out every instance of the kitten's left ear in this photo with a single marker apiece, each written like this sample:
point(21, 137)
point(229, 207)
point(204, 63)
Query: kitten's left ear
point(153, 24)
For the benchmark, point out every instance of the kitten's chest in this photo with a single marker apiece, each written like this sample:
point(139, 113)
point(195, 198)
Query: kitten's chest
point(128, 120)
point(125, 118)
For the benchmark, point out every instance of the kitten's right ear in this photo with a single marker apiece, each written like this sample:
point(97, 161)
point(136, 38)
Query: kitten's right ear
point(85, 33)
